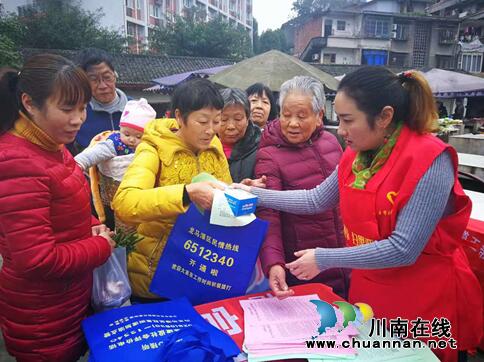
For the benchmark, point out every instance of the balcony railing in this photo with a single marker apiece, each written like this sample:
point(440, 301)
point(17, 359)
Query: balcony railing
point(447, 37)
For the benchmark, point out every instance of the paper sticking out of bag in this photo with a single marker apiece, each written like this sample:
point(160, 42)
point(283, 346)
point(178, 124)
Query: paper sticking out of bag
point(223, 215)
point(231, 207)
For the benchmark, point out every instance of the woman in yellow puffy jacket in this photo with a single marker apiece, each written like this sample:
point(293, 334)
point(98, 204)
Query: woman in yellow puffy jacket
point(157, 185)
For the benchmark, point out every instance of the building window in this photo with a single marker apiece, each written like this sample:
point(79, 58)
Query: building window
point(139, 4)
point(447, 36)
point(329, 58)
point(400, 32)
point(377, 28)
point(374, 57)
point(398, 59)
point(328, 27)
point(131, 30)
point(443, 61)
point(22, 10)
point(471, 62)
point(187, 3)
point(155, 11)
point(341, 25)
point(223, 5)
point(130, 4)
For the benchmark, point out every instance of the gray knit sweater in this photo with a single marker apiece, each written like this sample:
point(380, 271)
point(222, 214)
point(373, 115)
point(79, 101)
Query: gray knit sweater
point(415, 224)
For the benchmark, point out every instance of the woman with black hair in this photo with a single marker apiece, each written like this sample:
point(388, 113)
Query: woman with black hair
point(49, 242)
point(403, 210)
point(239, 135)
point(263, 107)
point(157, 186)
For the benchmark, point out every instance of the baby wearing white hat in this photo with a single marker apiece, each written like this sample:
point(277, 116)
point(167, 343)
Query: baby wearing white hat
point(136, 115)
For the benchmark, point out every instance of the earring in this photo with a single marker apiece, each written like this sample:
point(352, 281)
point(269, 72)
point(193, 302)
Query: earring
point(385, 140)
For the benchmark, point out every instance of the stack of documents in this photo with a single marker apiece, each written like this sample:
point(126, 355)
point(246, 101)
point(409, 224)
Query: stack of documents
point(280, 329)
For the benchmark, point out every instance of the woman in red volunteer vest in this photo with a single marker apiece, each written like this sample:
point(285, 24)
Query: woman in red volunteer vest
point(403, 211)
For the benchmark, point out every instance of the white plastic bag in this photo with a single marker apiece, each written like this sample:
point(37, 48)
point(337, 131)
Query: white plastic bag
point(111, 287)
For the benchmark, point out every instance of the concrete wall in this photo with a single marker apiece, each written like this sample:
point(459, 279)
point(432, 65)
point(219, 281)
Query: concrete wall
point(436, 48)
point(389, 6)
point(402, 46)
point(343, 56)
point(337, 42)
point(468, 143)
point(368, 43)
point(350, 25)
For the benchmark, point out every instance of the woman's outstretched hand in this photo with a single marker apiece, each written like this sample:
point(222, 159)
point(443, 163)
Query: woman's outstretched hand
point(201, 193)
point(247, 183)
point(305, 267)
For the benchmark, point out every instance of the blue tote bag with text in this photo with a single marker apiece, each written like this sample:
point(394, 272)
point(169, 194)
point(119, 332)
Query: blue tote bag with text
point(205, 262)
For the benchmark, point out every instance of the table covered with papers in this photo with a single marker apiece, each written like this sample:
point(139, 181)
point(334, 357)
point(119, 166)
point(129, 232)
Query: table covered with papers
point(286, 335)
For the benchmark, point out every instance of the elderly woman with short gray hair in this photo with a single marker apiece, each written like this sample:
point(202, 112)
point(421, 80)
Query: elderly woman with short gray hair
point(240, 137)
point(295, 153)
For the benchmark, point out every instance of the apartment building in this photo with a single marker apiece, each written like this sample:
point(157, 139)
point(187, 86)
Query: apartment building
point(378, 32)
point(135, 18)
point(470, 13)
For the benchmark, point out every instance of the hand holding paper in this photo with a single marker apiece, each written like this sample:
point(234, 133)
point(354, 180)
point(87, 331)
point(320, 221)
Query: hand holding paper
point(229, 206)
point(201, 193)
point(201, 190)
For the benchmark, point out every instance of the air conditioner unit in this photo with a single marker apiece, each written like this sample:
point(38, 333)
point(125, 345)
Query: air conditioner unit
point(315, 56)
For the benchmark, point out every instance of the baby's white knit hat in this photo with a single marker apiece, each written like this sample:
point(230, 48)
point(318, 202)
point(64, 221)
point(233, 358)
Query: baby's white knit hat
point(137, 114)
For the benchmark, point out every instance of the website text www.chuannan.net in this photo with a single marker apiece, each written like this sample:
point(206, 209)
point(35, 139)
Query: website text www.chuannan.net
point(357, 343)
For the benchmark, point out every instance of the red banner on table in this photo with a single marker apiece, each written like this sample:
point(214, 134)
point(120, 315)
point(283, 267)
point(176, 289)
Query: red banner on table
point(474, 248)
point(228, 316)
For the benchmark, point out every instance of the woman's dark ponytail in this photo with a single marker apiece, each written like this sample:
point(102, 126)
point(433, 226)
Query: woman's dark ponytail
point(422, 112)
point(8, 98)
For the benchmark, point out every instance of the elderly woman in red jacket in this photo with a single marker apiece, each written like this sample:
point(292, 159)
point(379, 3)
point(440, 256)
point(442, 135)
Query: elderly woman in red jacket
point(295, 153)
point(48, 240)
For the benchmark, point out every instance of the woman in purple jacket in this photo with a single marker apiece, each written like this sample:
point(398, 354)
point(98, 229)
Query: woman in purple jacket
point(296, 153)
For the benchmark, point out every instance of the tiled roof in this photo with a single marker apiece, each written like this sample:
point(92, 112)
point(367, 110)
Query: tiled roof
point(137, 71)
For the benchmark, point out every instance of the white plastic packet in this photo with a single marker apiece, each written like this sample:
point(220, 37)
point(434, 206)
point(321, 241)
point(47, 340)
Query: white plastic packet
point(111, 287)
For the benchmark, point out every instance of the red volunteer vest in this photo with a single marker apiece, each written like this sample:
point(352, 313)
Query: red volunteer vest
point(440, 283)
